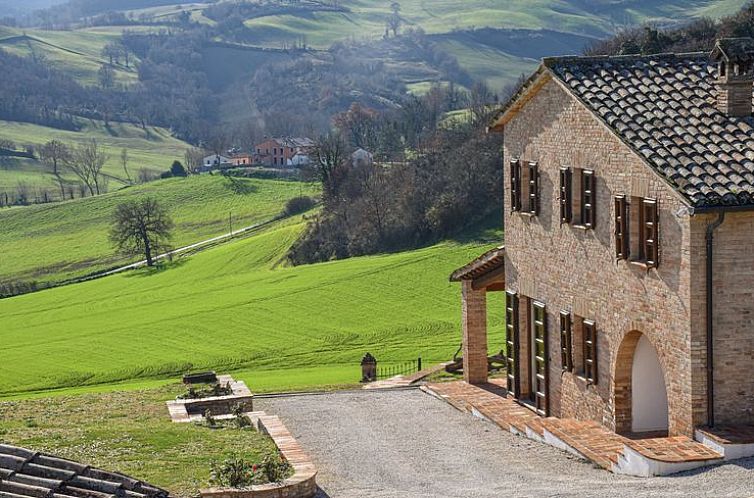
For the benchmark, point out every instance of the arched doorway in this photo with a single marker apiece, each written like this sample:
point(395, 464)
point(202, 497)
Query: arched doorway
point(641, 399)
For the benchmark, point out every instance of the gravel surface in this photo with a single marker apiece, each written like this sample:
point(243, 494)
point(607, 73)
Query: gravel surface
point(407, 444)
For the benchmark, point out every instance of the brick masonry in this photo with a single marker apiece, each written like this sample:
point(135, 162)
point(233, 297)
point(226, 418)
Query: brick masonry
point(570, 267)
point(474, 323)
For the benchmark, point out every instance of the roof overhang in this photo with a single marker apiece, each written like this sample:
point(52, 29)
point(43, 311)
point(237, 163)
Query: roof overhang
point(485, 272)
point(528, 90)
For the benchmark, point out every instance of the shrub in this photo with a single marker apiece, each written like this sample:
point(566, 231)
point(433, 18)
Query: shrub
point(299, 205)
point(177, 169)
point(235, 472)
point(276, 468)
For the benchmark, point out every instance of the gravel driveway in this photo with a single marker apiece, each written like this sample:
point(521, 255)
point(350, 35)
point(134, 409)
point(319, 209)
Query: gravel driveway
point(407, 444)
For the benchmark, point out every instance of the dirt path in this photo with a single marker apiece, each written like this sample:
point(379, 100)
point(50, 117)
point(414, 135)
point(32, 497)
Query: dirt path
point(406, 444)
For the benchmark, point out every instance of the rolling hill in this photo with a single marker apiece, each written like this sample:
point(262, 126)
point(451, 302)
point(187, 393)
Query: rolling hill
point(70, 238)
point(235, 308)
point(153, 149)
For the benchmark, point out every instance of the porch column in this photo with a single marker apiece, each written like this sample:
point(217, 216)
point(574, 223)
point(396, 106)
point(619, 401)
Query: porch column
point(474, 334)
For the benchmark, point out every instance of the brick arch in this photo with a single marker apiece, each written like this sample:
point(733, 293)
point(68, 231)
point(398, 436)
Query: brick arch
point(622, 373)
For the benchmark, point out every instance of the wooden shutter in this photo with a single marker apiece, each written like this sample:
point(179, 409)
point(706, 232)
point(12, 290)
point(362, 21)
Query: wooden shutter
point(566, 198)
point(651, 231)
point(511, 342)
point(515, 175)
point(566, 339)
point(587, 198)
point(533, 188)
point(590, 351)
point(541, 357)
point(621, 227)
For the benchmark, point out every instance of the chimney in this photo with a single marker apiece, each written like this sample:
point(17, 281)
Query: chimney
point(735, 76)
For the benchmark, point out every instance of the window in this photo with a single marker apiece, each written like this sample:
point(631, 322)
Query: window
point(511, 342)
point(590, 351)
point(587, 199)
point(637, 230)
point(533, 184)
point(566, 336)
point(566, 196)
point(621, 227)
point(515, 174)
point(524, 186)
point(577, 197)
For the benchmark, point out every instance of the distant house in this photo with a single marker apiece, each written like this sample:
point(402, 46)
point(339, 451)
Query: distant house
point(280, 152)
point(242, 160)
point(361, 157)
point(215, 161)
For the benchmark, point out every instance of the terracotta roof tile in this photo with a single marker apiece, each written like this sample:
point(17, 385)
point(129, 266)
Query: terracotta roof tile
point(26, 473)
point(663, 106)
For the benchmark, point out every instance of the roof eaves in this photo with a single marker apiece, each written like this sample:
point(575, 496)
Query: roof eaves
point(528, 90)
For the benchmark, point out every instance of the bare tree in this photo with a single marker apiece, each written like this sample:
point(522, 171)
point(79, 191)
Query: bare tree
point(106, 76)
point(55, 154)
point(124, 163)
point(86, 163)
point(193, 159)
point(330, 153)
point(141, 227)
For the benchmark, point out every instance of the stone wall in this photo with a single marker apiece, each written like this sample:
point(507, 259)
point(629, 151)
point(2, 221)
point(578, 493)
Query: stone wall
point(571, 268)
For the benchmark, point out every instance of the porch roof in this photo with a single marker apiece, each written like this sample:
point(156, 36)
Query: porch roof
point(489, 262)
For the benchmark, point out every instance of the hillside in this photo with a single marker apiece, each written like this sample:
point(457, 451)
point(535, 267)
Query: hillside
point(235, 308)
point(153, 149)
point(70, 238)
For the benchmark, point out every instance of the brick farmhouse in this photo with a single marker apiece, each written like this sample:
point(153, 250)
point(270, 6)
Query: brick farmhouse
point(628, 269)
point(283, 152)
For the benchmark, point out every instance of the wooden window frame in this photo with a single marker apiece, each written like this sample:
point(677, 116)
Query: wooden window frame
point(566, 341)
point(515, 180)
point(533, 193)
point(590, 351)
point(566, 196)
point(588, 198)
point(622, 231)
point(512, 337)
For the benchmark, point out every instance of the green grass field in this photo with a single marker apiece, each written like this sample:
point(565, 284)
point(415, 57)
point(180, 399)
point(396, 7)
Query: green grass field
point(77, 52)
point(235, 308)
point(129, 432)
point(154, 149)
point(70, 239)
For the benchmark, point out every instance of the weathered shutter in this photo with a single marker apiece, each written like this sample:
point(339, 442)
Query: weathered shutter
point(533, 188)
point(587, 198)
point(621, 227)
point(515, 175)
point(566, 204)
point(566, 338)
point(651, 232)
point(590, 351)
point(511, 342)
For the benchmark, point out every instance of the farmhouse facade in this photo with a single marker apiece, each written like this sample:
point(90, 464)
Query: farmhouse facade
point(283, 152)
point(627, 271)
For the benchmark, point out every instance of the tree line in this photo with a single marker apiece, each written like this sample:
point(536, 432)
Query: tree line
point(430, 179)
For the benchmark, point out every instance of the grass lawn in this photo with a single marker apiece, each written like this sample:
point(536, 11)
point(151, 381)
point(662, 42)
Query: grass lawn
point(235, 308)
point(154, 150)
point(128, 432)
point(71, 238)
